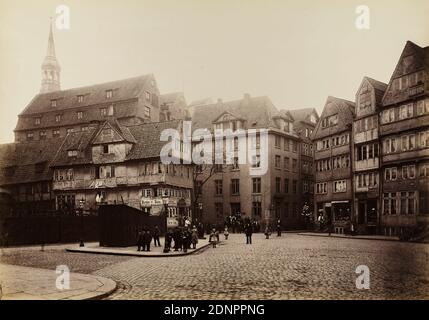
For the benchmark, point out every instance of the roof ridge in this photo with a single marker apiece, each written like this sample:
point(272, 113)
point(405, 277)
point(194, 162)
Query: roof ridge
point(96, 84)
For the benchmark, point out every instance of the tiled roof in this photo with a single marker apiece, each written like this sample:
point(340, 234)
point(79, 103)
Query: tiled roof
point(258, 112)
point(345, 110)
point(302, 114)
point(27, 161)
point(201, 102)
point(79, 141)
point(94, 94)
point(148, 136)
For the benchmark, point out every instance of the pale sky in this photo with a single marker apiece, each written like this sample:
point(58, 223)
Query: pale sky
point(297, 52)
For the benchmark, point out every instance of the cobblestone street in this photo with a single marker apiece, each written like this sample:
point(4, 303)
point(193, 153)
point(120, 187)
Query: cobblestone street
point(290, 267)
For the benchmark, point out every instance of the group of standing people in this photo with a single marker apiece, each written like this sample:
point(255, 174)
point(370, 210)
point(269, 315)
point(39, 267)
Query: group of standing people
point(144, 239)
point(181, 238)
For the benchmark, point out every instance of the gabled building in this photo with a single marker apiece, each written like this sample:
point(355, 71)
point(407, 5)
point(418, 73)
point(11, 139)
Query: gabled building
point(231, 190)
point(366, 156)
point(114, 164)
point(305, 121)
point(404, 134)
point(53, 112)
point(332, 140)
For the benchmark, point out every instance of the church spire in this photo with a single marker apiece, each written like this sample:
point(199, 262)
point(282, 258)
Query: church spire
point(51, 69)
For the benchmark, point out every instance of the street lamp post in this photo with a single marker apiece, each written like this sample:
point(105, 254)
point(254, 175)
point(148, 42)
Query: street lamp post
point(81, 204)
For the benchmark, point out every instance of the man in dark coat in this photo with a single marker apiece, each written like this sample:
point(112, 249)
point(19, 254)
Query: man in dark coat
point(156, 234)
point(177, 236)
point(186, 240)
point(248, 229)
point(168, 239)
point(140, 241)
point(147, 240)
point(279, 228)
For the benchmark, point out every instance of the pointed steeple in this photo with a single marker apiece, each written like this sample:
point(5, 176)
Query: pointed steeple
point(51, 69)
point(51, 44)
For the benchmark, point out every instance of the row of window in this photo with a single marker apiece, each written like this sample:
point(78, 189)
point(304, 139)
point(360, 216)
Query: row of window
point(336, 141)
point(338, 186)
point(399, 203)
point(109, 171)
point(330, 121)
point(104, 112)
point(367, 151)
point(337, 162)
point(288, 144)
point(406, 142)
point(405, 111)
point(43, 134)
point(407, 172)
point(365, 124)
point(409, 80)
point(364, 180)
point(108, 95)
point(286, 163)
point(257, 186)
point(164, 192)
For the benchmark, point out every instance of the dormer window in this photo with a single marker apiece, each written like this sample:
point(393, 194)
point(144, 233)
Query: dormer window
point(103, 112)
point(30, 136)
point(109, 94)
point(79, 114)
point(72, 153)
point(287, 127)
point(53, 102)
point(58, 118)
point(147, 95)
point(37, 121)
point(80, 98)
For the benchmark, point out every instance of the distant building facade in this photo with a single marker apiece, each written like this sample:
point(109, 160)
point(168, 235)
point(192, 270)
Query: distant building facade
point(305, 121)
point(231, 190)
point(366, 156)
point(333, 178)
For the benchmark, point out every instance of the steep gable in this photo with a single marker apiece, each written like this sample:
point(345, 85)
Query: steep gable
point(413, 59)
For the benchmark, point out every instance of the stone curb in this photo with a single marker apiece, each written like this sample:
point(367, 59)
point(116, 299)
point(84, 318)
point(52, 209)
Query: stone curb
point(131, 254)
point(346, 237)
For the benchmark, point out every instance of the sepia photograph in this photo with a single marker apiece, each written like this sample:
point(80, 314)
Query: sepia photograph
point(213, 156)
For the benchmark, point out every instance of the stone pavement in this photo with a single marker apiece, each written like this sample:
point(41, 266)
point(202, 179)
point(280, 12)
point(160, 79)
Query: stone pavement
point(286, 267)
point(94, 248)
point(25, 283)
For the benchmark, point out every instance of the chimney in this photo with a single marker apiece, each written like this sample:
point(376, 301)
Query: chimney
point(246, 96)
